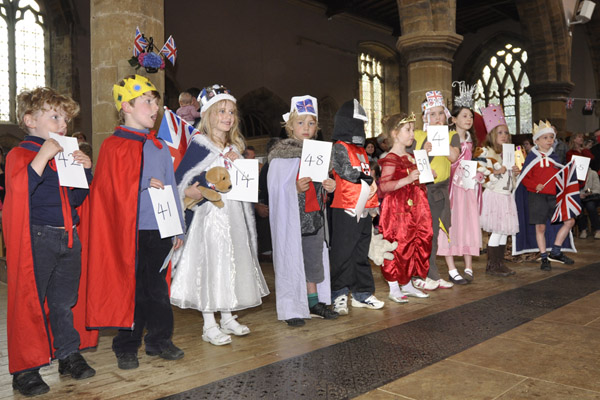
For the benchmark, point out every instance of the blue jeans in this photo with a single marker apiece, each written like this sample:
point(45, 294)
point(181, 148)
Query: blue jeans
point(57, 269)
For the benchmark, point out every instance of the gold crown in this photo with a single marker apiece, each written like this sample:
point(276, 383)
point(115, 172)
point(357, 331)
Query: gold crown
point(410, 118)
point(134, 87)
point(542, 128)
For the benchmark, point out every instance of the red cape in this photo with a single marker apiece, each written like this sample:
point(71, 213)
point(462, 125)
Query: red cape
point(112, 255)
point(28, 333)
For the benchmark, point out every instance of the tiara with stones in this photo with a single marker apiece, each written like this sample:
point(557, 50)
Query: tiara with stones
point(465, 94)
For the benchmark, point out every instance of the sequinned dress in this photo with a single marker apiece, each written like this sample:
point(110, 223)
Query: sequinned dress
point(405, 218)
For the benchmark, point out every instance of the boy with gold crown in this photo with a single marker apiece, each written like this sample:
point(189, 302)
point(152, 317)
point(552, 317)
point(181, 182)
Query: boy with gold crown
point(126, 252)
point(536, 201)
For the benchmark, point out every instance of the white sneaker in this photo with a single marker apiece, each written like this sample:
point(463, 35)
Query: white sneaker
point(442, 284)
point(583, 234)
point(597, 235)
point(340, 304)
point(427, 284)
point(415, 293)
point(370, 302)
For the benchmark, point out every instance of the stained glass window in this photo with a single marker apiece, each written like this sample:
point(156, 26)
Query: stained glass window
point(371, 92)
point(503, 81)
point(23, 44)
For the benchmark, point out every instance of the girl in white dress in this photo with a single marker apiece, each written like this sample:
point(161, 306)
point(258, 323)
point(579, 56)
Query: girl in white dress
point(217, 269)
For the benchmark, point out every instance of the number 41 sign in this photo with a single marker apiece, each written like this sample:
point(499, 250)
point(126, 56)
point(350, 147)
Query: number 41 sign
point(315, 160)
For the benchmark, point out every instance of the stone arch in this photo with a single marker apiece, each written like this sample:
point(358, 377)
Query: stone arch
point(260, 113)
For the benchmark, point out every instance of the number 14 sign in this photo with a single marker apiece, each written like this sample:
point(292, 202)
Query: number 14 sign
point(244, 181)
point(315, 160)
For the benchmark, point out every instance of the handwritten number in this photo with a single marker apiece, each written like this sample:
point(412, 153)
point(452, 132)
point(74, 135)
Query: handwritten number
point(437, 138)
point(309, 159)
point(162, 210)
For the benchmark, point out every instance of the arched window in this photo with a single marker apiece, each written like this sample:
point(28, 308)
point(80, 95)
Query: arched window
point(371, 92)
point(22, 45)
point(503, 81)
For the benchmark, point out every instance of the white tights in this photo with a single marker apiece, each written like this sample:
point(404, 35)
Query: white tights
point(497, 239)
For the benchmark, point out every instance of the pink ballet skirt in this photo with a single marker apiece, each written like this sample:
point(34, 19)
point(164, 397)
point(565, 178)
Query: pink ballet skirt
point(499, 213)
point(465, 232)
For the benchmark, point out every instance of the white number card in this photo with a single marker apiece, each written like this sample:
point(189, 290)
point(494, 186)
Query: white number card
point(508, 155)
point(70, 173)
point(468, 170)
point(244, 181)
point(315, 160)
point(438, 136)
point(581, 166)
point(425, 174)
point(165, 211)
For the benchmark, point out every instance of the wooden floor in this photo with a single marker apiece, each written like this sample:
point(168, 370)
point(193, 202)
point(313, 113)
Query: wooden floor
point(272, 340)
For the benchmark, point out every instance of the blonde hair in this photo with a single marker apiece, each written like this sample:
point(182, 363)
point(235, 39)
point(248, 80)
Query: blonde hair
point(294, 116)
point(154, 93)
point(491, 139)
point(391, 123)
point(572, 140)
point(44, 98)
point(234, 136)
point(185, 98)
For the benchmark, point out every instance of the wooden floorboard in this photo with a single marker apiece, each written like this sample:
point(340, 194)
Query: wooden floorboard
point(271, 340)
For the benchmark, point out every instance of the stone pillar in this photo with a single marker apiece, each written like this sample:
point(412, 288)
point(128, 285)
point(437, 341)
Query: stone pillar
point(112, 32)
point(547, 103)
point(429, 58)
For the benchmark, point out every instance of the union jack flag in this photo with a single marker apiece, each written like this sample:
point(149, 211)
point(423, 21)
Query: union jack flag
point(589, 105)
point(568, 203)
point(434, 98)
point(140, 43)
point(305, 106)
point(169, 50)
point(569, 103)
point(176, 133)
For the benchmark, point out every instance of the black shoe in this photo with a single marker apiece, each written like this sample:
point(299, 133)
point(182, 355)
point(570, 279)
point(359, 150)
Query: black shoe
point(561, 258)
point(76, 366)
point(322, 311)
point(546, 265)
point(30, 383)
point(459, 281)
point(295, 322)
point(171, 352)
point(127, 361)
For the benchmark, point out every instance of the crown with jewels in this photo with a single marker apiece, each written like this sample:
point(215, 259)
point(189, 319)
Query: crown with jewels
point(542, 128)
point(133, 87)
point(410, 118)
point(465, 94)
point(212, 94)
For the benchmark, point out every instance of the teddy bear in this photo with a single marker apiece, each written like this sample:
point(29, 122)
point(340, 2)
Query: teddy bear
point(484, 165)
point(380, 249)
point(211, 184)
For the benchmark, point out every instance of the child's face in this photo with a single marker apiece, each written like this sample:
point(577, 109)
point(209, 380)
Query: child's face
point(370, 148)
point(464, 120)
point(502, 135)
point(142, 114)
point(545, 142)
point(404, 135)
point(304, 127)
point(47, 120)
point(222, 119)
point(527, 145)
point(437, 116)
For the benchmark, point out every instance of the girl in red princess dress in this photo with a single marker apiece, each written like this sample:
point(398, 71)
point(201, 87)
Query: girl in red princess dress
point(405, 214)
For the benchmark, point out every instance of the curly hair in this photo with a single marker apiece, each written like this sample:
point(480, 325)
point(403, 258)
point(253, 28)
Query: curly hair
point(41, 99)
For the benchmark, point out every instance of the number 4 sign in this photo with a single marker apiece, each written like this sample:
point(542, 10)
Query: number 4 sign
point(315, 160)
point(165, 211)
point(70, 173)
point(438, 136)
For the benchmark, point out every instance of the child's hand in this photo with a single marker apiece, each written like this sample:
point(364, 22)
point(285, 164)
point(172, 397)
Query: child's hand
point(539, 188)
point(303, 184)
point(500, 171)
point(515, 170)
point(427, 147)
point(178, 243)
point(49, 149)
point(413, 176)
point(193, 192)
point(156, 183)
point(232, 155)
point(372, 189)
point(81, 158)
point(329, 185)
point(262, 210)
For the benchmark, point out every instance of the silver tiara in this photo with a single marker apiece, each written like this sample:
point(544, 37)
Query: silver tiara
point(465, 96)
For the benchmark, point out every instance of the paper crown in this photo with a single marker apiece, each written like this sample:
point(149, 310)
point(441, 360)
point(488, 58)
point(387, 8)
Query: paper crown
point(541, 129)
point(303, 105)
point(212, 94)
point(434, 99)
point(134, 87)
point(465, 94)
point(493, 116)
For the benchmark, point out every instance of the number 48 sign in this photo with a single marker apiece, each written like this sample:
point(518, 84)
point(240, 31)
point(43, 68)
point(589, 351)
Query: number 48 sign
point(315, 160)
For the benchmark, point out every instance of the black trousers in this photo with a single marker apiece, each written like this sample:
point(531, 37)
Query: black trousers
point(152, 305)
point(349, 255)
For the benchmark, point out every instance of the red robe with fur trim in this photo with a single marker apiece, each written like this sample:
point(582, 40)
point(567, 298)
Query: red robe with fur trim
point(28, 327)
